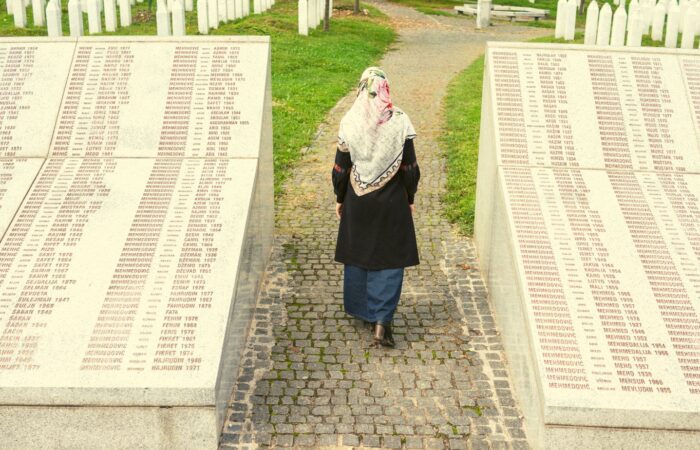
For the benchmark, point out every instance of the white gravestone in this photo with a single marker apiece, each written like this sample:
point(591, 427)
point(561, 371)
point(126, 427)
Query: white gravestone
point(162, 19)
point(213, 12)
point(110, 8)
point(203, 17)
point(619, 25)
point(39, 13)
point(604, 22)
point(54, 24)
point(312, 13)
point(94, 17)
point(151, 224)
point(223, 14)
point(683, 6)
point(634, 28)
point(586, 229)
point(657, 26)
point(303, 17)
point(19, 13)
point(591, 23)
point(75, 18)
point(231, 12)
point(570, 24)
point(483, 13)
point(671, 38)
point(647, 9)
point(125, 13)
point(688, 38)
point(178, 18)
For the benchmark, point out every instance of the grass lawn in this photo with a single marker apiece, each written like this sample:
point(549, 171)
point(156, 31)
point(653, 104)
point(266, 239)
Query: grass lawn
point(460, 143)
point(309, 74)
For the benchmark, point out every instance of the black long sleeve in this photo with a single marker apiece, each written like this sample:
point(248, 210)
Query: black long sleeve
point(341, 174)
point(410, 172)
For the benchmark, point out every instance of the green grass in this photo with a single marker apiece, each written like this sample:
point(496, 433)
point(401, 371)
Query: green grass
point(437, 12)
point(460, 143)
point(309, 74)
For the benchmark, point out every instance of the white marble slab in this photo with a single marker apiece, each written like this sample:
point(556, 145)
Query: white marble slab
point(32, 77)
point(163, 98)
point(121, 281)
point(587, 231)
point(610, 271)
point(130, 265)
point(690, 68)
point(591, 109)
point(16, 176)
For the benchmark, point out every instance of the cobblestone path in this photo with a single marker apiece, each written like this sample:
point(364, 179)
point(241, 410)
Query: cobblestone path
point(308, 377)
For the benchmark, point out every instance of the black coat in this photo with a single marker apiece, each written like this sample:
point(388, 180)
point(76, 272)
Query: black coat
point(376, 230)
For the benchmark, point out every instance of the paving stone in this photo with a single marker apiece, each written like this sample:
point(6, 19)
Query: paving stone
point(414, 442)
point(327, 439)
point(308, 376)
point(391, 442)
point(351, 439)
point(371, 441)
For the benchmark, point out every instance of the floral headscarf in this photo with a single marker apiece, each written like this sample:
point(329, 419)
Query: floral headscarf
point(374, 132)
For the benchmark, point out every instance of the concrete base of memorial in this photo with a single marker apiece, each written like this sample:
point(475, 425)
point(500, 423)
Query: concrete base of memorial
point(84, 427)
point(129, 280)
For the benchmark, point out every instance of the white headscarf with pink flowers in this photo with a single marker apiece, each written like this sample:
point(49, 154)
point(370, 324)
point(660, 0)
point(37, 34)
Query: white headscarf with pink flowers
point(374, 132)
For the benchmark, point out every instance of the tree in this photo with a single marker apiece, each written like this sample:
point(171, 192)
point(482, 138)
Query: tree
point(327, 16)
point(356, 8)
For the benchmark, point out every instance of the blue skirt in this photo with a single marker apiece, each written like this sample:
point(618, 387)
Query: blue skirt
point(372, 295)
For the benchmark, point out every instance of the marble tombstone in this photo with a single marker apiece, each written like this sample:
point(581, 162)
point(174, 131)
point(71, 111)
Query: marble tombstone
point(588, 234)
point(136, 219)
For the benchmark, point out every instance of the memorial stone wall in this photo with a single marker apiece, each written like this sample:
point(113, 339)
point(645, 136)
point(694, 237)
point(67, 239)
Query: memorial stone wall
point(136, 219)
point(588, 234)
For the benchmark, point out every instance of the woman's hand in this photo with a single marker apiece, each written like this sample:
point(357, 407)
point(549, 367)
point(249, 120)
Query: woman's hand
point(413, 208)
point(338, 209)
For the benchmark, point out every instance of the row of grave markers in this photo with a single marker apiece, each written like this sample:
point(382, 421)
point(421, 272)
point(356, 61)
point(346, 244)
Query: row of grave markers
point(170, 14)
point(662, 19)
point(311, 13)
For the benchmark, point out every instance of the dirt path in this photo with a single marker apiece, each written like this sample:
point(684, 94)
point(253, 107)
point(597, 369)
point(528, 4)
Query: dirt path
point(309, 378)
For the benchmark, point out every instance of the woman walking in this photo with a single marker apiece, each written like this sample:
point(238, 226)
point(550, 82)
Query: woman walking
point(376, 237)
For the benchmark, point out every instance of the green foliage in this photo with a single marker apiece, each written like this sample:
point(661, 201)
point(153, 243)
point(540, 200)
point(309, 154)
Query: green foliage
point(460, 143)
point(437, 12)
point(309, 74)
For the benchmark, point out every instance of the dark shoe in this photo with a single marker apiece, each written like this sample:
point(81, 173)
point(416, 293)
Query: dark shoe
point(383, 335)
point(388, 340)
point(379, 331)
